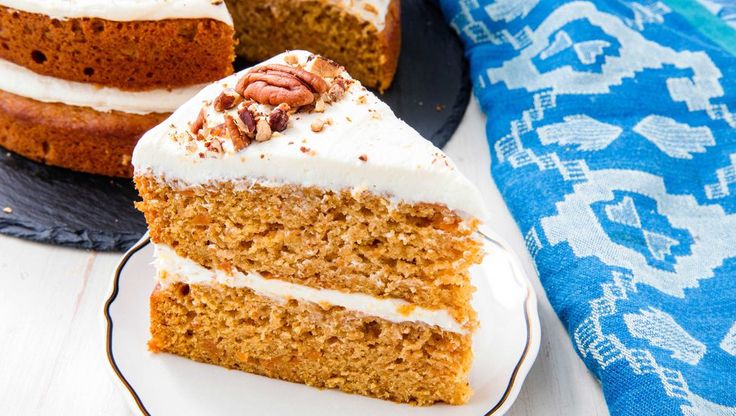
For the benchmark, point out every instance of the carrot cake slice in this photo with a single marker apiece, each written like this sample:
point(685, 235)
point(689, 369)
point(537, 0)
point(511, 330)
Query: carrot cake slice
point(304, 232)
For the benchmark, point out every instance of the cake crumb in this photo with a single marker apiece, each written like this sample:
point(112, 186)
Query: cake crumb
point(363, 157)
point(8, 210)
point(319, 124)
point(439, 108)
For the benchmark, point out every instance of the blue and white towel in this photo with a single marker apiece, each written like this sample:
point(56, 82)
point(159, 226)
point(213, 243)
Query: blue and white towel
point(612, 129)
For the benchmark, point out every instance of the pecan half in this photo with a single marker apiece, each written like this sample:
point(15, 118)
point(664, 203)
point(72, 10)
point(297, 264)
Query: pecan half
point(227, 99)
point(274, 84)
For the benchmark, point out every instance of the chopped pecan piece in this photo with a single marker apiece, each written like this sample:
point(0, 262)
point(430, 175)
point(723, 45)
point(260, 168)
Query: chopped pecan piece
point(274, 84)
point(238, 138)
point(263, 130)
point(291, 59)
point(227, 99)
point(336, 92)
point(319, 105)
point(198, 123)
point(324, 67)
point(217, 131)
point(319, 124)
point(246, 116)
point(278, 119)
point(214, 145)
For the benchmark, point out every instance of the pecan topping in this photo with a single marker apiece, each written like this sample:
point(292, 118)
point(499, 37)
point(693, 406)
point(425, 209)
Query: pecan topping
point(198, 123)
point(325, 68)
point(214, 145)
point(227, 99)
point(278, 119)
point(336, 92)
point(238, 138)
point(263, 130)
point(291, 59)
point(319, 124)
point(218, 131)
point(246, 116)
point(275, 84)
point(319, 105)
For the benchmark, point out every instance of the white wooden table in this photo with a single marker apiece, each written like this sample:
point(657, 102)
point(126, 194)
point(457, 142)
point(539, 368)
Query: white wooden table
point(52, 358)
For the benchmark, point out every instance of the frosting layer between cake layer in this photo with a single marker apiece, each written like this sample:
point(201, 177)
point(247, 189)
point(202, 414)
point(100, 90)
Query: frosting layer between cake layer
point(173, 268)
point(21, 81)
point(124, 10)
point(363, 146)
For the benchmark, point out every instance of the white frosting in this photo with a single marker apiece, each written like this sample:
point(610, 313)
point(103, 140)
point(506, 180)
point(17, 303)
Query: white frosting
point(124, 10)
point(399, 162)
point(26, 83)
point(173, 268)
point(372, 11)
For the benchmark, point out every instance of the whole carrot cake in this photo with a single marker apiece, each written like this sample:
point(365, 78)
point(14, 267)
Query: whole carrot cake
point(305, 233)
point(82, 80)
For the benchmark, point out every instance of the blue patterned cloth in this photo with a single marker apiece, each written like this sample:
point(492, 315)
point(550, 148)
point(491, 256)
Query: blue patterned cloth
point(612, 130)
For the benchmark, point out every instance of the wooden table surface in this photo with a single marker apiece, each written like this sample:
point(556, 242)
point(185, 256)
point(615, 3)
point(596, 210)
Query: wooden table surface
point(52, 358)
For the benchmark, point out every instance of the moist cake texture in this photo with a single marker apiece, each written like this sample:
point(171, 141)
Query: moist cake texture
point(305, 233)
point(364, 35)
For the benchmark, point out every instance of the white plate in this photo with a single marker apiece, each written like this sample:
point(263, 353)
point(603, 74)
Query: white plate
point(505, 347)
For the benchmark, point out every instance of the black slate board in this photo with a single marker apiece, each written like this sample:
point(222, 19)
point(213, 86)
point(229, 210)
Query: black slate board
point(52, 205)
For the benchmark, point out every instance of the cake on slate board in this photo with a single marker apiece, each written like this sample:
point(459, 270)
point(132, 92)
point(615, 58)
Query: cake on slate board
point(82, 80)
point(305, 233)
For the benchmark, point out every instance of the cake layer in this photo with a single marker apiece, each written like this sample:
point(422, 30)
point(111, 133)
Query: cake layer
point(130, 55)
point(78, 138)
point(341, 240)
point(364, 146)
point(125, 10)
point(173, 268)
point(363, 35)
point(21, 81)
point(327, 347)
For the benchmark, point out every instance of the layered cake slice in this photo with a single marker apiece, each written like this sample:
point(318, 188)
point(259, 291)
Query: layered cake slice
point(305, 233)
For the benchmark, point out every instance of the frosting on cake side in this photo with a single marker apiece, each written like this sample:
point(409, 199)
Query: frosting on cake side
point(18, 80)
point(354, 142)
